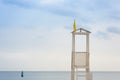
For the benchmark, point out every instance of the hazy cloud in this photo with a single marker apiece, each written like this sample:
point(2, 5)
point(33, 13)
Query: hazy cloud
point(114, 30)
point(39, 31)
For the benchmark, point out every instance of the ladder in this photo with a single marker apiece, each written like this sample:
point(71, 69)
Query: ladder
point(81, 74)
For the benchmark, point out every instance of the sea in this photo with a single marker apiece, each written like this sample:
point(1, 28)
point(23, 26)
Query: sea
point(54, 75)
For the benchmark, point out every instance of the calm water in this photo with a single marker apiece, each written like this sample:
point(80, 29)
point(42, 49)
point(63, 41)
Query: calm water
point(55, 75)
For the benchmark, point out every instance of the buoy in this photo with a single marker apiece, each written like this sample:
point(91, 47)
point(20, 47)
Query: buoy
point(22, 74)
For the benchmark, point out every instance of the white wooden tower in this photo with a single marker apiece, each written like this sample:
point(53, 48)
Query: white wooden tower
point(80, 60)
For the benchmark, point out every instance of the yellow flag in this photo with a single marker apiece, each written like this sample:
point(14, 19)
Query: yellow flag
point(74, 26)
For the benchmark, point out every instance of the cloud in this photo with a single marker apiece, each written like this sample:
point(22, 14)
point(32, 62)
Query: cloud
point(114, 15)
point(26, 45)
point(101, 34)
point(18, 3)
point(36, 32)
point(86, 10)
point(114, 30)
point(51, 1)
point(31, 3)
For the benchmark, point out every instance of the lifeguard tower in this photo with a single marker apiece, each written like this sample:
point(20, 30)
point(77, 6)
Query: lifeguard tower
point(80, 60)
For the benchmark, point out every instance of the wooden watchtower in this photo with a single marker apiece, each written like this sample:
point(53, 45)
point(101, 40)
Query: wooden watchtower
point(80, 60)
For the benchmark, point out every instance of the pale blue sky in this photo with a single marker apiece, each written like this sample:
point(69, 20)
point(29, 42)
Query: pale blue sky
point(35, 34)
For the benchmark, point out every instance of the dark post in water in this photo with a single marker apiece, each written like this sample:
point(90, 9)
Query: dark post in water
point(22, 74)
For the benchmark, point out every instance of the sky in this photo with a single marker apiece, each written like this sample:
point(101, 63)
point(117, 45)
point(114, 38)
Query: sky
point(36, 34)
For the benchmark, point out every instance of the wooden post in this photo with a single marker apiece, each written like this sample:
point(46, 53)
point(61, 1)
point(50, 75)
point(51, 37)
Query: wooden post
point(87, 52)
point(73, 56)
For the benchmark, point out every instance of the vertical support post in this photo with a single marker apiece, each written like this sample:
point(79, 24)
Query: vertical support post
point(87, 50)
point(89, 76)
point(73, 56)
